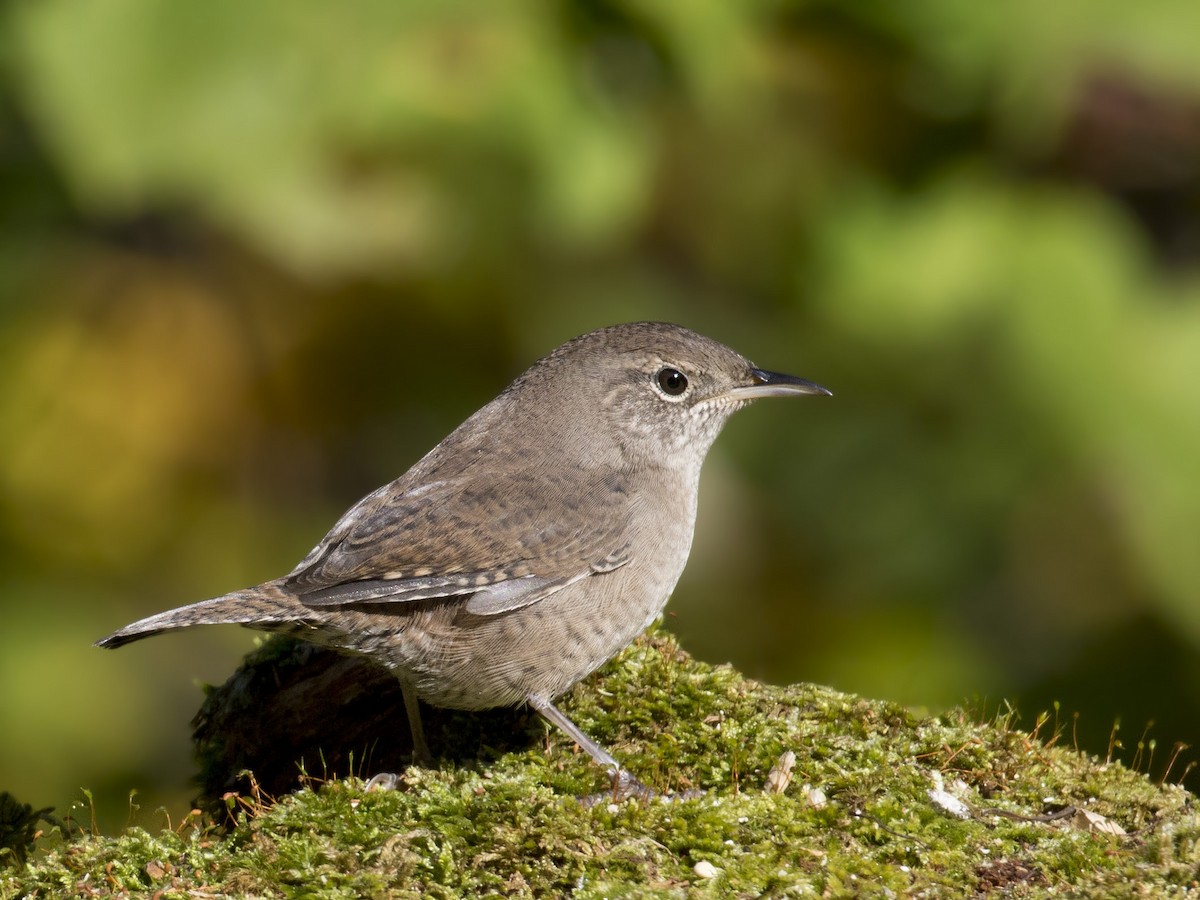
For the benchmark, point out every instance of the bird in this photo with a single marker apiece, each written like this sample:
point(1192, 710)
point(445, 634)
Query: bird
point(536, 541)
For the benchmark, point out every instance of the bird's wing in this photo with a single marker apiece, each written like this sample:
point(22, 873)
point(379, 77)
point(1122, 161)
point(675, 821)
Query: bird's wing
point(500, 543)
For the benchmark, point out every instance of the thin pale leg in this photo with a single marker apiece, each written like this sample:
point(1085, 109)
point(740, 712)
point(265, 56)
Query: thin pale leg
point(624, 785)
point(386, 781)
point(421, 754)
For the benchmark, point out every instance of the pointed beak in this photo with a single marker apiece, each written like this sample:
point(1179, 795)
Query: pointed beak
point(775, 384)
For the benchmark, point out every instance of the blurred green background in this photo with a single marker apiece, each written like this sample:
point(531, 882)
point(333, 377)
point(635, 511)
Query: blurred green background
point(256, 258)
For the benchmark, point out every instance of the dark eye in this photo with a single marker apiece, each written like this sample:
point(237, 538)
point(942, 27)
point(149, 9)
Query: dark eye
point(672, 381)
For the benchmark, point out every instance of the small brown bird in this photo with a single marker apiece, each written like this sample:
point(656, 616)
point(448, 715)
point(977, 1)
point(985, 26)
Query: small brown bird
point(532, 544)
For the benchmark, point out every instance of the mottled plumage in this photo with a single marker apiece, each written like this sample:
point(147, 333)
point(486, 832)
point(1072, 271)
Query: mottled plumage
point(532, 544)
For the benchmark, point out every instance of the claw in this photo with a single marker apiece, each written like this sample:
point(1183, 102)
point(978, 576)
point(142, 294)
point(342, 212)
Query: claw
point(625, 786)
point(384, 781)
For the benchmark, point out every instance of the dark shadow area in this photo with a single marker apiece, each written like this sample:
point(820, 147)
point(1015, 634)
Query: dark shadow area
point(294, 708)
point(1131, 686)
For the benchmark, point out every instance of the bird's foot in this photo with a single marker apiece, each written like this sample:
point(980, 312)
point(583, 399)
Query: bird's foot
point(384, 781)
point(390, 781)
point(625, 786)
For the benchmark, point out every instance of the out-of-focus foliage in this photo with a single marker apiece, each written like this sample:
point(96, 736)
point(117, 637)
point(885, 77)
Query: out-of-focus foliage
point(256, 258)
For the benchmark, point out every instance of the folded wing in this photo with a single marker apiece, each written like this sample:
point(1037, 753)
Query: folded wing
point(494, 544)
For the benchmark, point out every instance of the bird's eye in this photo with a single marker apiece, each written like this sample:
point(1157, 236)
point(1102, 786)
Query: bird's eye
point(672, 381)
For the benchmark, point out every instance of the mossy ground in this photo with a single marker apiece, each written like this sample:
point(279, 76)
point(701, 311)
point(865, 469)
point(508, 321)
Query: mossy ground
point(509, 824)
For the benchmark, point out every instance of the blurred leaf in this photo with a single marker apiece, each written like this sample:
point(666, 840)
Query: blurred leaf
point(1060, 285)
point(111, 407)
point(1028, 58)
point(258, 116)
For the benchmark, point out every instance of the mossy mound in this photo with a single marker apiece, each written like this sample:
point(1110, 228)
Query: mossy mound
point(879, 802)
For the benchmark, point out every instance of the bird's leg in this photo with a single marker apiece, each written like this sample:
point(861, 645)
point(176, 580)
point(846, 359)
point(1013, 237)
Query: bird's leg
point(421, 754)
point(624, 785)
point(553, 714)
point(386, 781)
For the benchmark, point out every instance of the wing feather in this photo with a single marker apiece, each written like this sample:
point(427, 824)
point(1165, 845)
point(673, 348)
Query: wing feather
point(497, 545)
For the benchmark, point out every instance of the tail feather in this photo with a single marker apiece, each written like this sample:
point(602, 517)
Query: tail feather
point(266, 606)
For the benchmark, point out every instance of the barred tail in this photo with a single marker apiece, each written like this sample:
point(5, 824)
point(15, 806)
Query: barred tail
point(268, 606)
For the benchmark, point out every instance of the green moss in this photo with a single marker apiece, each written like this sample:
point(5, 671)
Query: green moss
point(510, 824)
